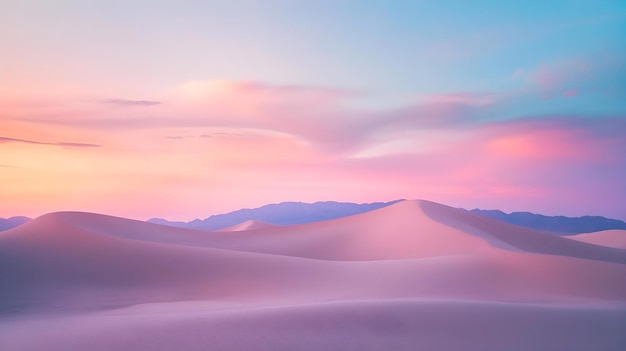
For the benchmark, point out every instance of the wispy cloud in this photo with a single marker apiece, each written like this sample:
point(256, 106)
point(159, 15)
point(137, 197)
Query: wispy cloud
point(320, 116)
point(575, 76)
point(130, 103)
point(174, 137)
point(60, 144)
point(323, 118)
point(222, 135)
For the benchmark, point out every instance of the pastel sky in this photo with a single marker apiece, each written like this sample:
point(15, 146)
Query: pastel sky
point(183, 109)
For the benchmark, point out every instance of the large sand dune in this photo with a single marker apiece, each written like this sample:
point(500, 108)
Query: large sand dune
point(611, 238)
point(414, 275)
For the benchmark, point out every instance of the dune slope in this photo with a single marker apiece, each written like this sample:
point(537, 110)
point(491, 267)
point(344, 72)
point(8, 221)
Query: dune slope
point(611, 238)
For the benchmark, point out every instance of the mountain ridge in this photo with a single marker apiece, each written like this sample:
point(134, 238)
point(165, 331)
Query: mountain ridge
point(292, 213)
point(11, 222)
point(558, 224)
point(300, 213)
point(284, 213)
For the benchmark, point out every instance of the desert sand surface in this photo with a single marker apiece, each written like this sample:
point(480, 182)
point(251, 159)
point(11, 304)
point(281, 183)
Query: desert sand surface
point(416, 275)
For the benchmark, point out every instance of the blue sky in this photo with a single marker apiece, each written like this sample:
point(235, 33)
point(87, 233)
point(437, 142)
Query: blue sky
point(397, 47)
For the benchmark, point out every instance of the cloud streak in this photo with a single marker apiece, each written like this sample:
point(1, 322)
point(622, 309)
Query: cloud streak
point(60, 144)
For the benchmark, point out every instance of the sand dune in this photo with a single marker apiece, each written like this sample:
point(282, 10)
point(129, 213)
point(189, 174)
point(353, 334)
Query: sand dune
point(521, 238)
point(611, 238)
point(412, 275)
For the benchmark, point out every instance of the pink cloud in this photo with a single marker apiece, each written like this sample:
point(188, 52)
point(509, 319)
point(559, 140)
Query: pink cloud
point(319, 116)
point(550, 77)
point(542, 145)
point(601, 75)
point(257, 94)
point(558, 78)
point(564, 140)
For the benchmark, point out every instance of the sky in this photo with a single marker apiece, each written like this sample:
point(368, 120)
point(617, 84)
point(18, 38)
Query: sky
point(183, 109)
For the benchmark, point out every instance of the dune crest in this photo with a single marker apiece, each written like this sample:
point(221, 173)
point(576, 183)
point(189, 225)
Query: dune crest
point(249, 225)
point(612, 238)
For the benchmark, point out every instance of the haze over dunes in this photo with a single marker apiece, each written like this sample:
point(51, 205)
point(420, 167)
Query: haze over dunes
point(413, 274)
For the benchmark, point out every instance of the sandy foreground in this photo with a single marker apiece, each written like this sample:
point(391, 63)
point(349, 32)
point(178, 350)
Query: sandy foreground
point(412, 276)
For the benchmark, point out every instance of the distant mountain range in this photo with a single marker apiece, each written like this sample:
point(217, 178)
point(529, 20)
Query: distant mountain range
point(557, 224)
point(8, 223)
point(284, 213)
point(290, 213)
